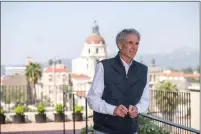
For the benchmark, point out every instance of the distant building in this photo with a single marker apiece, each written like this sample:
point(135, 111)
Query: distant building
point(169, 75)
point(180, 79)
point(14, 81)
point(15, 70)
point(55, 75)
point(154, 72)
point(51, 86)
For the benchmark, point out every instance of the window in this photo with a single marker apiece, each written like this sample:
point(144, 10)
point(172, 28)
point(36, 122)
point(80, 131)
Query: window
point(64, 76)
point(89, 51)
point(96, 50)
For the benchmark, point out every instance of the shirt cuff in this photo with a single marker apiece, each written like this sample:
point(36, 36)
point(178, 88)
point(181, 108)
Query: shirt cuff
point(110, 109)
point(138, 108)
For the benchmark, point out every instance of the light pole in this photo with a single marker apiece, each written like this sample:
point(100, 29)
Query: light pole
point(53, 65)
point(54, 72)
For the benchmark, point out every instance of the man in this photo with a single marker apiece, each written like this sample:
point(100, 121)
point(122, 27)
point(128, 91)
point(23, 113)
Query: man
point(120, 89)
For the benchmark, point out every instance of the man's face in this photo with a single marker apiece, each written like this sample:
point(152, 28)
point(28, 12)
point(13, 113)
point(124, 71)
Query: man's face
point(129, 46)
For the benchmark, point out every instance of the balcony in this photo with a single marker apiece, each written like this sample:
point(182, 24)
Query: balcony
point(158, 120)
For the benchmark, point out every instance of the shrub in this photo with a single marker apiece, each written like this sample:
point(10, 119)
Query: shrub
point(41, 109)
point(2, 111)
point(90, 130)
point(59, 109)
point(19, 110)
point(148, 127)
point(145, 127)
point(78, 109)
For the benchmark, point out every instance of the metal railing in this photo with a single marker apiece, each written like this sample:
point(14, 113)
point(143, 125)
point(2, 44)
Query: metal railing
point(48, 95)
point(187, 130)
point(160, 114)
point(86, 113)
point(174, 128)
point(171, 106)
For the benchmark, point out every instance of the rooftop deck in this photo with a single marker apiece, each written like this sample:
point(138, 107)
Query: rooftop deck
point(43, 128)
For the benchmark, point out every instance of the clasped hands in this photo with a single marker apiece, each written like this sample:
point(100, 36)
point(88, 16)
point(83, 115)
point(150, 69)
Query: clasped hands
point(122, 111)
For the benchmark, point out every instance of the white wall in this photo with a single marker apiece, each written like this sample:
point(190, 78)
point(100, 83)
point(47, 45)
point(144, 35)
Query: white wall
point(195, 109)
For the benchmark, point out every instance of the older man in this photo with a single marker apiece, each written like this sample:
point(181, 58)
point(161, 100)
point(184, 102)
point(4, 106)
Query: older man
point(120, 88)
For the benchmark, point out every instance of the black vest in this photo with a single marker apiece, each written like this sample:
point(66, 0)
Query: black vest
point(120, 89)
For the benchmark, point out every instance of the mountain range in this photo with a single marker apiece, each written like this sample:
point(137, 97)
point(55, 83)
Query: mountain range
point(180, 58)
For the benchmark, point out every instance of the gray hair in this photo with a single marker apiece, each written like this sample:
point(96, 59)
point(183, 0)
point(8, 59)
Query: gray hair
point(121, 35)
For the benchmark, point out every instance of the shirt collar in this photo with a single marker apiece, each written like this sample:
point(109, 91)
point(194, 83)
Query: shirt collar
point(124, 63)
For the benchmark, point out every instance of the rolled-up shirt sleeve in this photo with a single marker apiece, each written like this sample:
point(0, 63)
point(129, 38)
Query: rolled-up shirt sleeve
point(95, 93)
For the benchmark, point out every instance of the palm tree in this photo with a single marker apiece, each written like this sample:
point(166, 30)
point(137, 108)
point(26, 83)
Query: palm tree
point(167, 99)
point(33, 74)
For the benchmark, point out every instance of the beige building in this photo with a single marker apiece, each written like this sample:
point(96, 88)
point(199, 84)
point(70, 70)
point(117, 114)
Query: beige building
point(52, 83)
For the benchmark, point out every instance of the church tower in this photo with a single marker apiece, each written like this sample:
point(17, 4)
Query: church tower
point(94, 50)
point(94, 45)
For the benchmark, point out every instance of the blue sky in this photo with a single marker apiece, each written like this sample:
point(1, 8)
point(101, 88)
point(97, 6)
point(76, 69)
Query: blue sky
point(47, 30)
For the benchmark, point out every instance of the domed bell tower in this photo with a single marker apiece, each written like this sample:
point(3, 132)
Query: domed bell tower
point(94, 50)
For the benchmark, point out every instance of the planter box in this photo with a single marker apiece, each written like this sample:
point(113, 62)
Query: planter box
point(59, 117)
point(19, 119)
point(40, 118)
point(78, 116)
point(2, 119)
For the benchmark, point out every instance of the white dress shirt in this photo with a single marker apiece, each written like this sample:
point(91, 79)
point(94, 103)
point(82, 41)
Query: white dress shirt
point(94, 95)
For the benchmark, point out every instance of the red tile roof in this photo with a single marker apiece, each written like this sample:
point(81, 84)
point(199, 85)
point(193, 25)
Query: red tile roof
point(57, 70)
point(79, 76)
point(180, 74)
point(81, 93)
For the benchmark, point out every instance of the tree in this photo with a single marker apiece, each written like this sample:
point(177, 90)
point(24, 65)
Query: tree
point(198, 69)
point(167, 99)
point(187, 70)
point(59, 61)
point(50, 62)
point(33, 74)
point(174, 70)
point(13, 95)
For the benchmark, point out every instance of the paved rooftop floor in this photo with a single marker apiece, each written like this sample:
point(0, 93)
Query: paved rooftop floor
point(43, 128)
